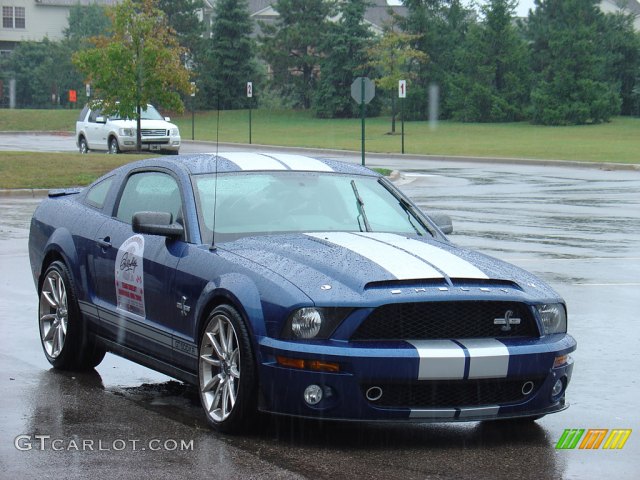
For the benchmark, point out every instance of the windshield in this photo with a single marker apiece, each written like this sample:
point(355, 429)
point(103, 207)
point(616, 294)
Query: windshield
point(278, 202)
point(149, 113)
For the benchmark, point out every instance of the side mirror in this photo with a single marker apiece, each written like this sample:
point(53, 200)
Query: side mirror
point(156, 223)
point(101, 119)
point(443, 222)
point(167, 119)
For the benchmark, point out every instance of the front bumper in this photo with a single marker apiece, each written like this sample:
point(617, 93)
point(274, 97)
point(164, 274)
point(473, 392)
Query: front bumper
point(153, 144)
point(429, 381)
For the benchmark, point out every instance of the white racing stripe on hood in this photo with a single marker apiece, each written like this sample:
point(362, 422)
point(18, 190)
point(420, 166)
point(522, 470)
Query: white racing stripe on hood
point(253, 161)
point(400, 264)
point(452, 265)
point(300, 162)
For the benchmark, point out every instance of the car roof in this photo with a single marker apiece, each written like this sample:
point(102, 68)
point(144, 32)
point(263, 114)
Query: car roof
point(223, 162)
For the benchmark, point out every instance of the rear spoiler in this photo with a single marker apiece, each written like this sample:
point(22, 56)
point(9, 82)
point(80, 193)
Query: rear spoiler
point(61, 192)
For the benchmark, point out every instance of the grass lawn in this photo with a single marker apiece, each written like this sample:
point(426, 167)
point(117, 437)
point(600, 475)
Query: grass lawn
point(57, 170)
point(617, 141)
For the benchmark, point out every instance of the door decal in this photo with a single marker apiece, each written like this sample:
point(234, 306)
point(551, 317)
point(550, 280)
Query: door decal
point(130, 275)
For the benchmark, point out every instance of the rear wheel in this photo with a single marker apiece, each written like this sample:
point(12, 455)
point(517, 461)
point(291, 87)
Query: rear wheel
point(226, 372)
point(83, 146)
point(113, 145)
point(65, 342)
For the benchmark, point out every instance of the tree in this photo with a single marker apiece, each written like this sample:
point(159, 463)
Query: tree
point(491, 81)
point(291, 46)
point(395, 60)
point(182, 17)
point(228, 63)
point(138, 64)
point(43, 73)
point(622, 43)
point(570, 64)
point(86, 21)
point(441, 27)
point(346, 43)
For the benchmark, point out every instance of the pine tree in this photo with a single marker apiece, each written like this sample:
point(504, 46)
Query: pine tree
point(441, 27)
point(491, 80)
point(291, 47)
point(228, 63)
point(569, 64)
point(345, 46)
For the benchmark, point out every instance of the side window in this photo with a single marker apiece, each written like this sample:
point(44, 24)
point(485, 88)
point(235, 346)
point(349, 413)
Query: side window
point(94, 114)
point(150, 192)
point(98, 193)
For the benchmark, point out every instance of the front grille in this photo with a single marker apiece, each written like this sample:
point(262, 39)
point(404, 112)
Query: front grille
point(438, 320)
point(454, 393)
point(158, 132)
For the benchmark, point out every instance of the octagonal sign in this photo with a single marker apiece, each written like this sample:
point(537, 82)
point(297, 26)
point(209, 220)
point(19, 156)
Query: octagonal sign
point(360, 84)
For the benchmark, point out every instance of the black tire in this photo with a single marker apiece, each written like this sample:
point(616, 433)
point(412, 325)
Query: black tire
point(65, 341)
point(113, 145)
point(83, 146)
point(227, 373)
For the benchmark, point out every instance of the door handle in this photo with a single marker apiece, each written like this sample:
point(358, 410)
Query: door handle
point(104, 243)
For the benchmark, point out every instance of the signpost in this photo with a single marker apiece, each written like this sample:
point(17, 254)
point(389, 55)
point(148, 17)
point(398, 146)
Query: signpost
point(193, 115)
point(402, 94)
point(249, 96)
point(362, 91)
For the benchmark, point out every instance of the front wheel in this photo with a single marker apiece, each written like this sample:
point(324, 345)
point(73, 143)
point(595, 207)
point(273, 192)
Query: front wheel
point(113, 145)
point(65, 342)
point(226, 372)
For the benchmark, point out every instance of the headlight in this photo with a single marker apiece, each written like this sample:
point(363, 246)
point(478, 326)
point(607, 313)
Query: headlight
point(127, 132)
point(313, 323)
point(174, 132)
point(554, 318)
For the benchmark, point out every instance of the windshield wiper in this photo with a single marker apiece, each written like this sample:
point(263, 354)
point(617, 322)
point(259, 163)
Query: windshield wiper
point(360, 203)
point(408, 209)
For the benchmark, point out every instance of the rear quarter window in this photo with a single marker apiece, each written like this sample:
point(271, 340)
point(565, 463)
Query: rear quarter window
point(83, 114)
point(97, 194)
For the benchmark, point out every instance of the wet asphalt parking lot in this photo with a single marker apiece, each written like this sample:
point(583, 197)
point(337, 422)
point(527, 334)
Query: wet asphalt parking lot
point(577, 228)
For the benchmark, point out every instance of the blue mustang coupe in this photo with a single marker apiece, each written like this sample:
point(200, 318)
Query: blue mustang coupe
point(292, 285)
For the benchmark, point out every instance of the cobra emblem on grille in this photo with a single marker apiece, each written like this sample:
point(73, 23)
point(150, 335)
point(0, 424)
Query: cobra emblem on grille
point(507, 321)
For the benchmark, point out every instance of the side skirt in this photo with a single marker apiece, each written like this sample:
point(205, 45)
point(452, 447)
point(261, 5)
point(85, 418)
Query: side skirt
point(148, 361)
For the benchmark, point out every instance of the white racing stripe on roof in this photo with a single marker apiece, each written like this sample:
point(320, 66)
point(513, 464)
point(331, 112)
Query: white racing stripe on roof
point(400, 264)
point(452, 265)
point(300, 162)
point(253, 161)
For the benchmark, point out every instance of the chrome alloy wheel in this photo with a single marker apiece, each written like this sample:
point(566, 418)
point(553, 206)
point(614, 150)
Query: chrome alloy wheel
point(219, 368)
point(53, 314)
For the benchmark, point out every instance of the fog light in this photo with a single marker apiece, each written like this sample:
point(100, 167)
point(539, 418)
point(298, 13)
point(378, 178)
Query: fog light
point(557, 389)
point(313, 394)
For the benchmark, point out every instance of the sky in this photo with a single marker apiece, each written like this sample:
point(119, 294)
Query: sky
point(522, 11)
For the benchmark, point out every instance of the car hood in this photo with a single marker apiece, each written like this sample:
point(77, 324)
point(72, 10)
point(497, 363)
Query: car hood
point(153, 124)
point(351, 265)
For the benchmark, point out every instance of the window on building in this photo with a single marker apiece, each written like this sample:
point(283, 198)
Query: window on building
point(13, 17)
point(18, 17)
